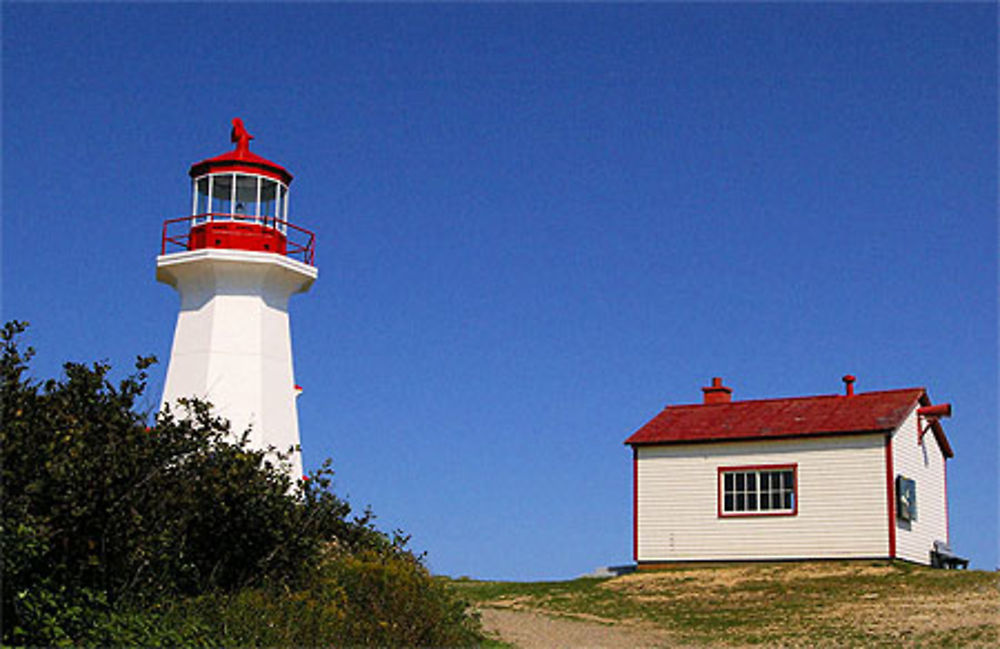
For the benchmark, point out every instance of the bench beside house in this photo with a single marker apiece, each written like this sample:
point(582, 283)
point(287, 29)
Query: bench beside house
point(848, 476)
point(943, 557)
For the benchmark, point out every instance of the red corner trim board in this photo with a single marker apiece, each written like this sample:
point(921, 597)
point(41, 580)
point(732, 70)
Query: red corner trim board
point(635, 504)
point(890, 496)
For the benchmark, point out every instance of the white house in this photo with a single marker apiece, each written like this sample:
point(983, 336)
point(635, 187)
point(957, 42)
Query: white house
point(824, 477)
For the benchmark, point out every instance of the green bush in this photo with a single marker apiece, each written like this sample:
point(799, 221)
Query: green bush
point(119, 527)
point(393, 601)
point(366, 599)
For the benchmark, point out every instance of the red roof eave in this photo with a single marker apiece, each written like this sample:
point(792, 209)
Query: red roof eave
point(753, 438)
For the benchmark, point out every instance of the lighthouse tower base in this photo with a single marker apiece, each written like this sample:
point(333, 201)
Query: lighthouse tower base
point(232, 344)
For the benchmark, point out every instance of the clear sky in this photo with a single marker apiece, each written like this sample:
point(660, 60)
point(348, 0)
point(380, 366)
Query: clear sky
point(537, 225)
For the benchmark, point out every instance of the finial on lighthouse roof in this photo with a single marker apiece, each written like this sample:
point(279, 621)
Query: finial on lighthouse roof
point(241, 159)
point(240, 136)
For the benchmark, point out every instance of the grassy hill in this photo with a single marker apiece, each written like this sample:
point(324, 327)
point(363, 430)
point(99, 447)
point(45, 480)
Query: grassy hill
point(850, 603)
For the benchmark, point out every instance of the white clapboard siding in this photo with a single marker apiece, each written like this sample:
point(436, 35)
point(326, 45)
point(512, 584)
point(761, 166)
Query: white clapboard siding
point(924, 464)
point(842, 508)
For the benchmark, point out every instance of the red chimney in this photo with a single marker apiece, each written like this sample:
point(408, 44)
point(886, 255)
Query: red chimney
point(849, 380)
point(717, 393)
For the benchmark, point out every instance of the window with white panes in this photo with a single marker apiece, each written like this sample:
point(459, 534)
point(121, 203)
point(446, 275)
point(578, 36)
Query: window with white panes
point(758, 490)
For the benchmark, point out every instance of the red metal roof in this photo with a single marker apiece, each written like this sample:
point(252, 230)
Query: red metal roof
point(241, 159)
point(866, 412)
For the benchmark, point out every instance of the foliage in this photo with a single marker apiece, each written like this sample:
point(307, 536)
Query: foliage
point(395, 602)
point(368, 598)
point(119, 527)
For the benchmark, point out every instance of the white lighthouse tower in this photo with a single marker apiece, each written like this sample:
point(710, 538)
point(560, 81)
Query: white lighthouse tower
point(235, 262)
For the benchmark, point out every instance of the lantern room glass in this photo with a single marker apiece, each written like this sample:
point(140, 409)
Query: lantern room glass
point(220, 189)
point(241, 197)
point(245, 199)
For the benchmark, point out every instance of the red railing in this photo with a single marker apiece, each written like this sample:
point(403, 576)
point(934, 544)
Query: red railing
point(299, 242)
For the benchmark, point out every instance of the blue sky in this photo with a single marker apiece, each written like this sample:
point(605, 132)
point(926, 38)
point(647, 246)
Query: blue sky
point(537, 225)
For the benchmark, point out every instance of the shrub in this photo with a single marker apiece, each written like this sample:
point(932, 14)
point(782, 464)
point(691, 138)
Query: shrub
point(365, 599)
point(393, 601)
point(118, 527)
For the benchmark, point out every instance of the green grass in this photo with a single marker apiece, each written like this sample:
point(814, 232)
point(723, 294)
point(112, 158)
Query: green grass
point(854, 603)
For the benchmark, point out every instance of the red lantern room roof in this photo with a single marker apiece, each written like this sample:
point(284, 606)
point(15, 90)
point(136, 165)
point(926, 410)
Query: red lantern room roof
point(241, 159)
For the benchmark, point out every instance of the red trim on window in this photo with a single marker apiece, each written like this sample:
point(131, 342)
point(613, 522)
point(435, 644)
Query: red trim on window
point(635, 504)
point(758, 467)
point(890, 493)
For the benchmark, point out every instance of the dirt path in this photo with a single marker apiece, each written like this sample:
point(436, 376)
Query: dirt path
point(532, 630)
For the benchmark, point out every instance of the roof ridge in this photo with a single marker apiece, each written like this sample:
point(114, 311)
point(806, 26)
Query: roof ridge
point(798, 398)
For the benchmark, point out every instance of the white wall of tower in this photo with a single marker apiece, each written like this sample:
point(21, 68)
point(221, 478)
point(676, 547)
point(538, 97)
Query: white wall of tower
point(232, 343)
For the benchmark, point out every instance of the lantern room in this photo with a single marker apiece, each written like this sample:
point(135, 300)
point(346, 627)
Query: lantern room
point(239, 201)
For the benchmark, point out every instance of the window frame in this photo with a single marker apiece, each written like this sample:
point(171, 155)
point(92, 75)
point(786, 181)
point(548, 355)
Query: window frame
point(204, 212)
point(756, 468)
point(903, 484)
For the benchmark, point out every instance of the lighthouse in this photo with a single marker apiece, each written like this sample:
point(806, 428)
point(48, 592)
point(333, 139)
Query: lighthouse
point(235, 261)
